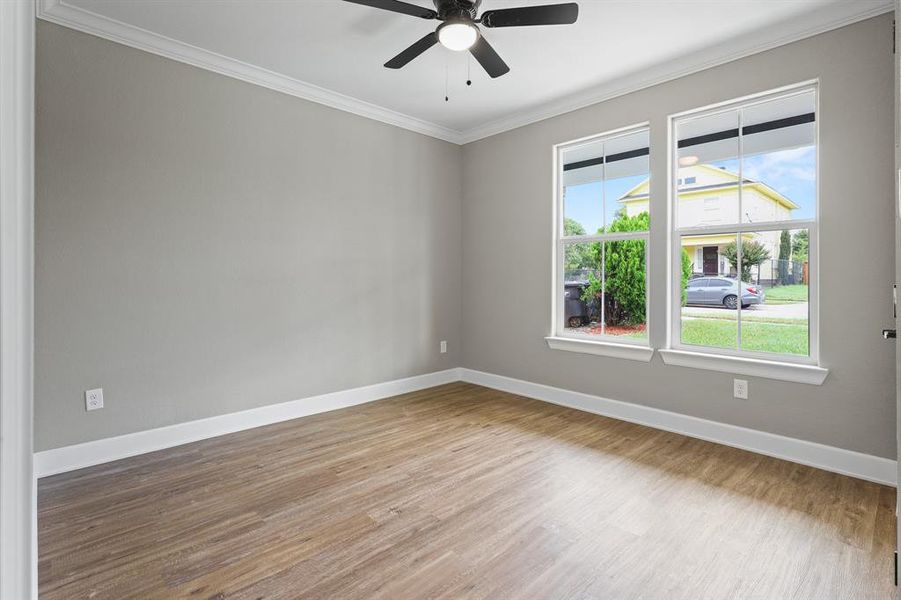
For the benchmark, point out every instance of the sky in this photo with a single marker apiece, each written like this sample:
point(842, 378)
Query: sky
point(584, 203)
point(790, 172)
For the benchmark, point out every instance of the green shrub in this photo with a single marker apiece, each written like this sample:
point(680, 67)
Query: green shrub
point(800, 246)
point(625, 266)
point(625, 296)
point(686, 274)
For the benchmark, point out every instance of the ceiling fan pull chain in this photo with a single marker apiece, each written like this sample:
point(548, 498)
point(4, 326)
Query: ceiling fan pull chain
point(446, 98)
point(468, 72)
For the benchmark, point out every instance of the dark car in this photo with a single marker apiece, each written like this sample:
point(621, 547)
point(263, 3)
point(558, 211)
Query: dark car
point(722, 291)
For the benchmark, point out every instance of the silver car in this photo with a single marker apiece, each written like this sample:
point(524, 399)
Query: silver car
point(722, 291)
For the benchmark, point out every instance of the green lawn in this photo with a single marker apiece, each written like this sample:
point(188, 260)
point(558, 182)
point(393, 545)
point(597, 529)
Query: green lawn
point(785, 294)
point(782, 338)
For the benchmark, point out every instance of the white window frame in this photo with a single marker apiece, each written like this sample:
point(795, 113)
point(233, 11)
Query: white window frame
point(559, 338)
point(735, 360)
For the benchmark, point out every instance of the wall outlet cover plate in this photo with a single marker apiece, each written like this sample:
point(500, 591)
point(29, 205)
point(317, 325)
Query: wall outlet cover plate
point(93, 399)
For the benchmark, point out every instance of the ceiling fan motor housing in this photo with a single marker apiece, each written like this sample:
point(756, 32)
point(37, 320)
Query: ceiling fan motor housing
point(457, 9)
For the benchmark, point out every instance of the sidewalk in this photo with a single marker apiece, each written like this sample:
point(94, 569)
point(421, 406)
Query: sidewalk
point(798, 310)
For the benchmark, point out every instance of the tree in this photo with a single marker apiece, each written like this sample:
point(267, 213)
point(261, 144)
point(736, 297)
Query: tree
point(752, 254)
point(572, 227)
point(624, 290)
point(577, 256)
point(785, 250)
point(800, 246)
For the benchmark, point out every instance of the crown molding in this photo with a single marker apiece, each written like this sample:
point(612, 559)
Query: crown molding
point(61, 13)
point(835, 16)
point(674, 69)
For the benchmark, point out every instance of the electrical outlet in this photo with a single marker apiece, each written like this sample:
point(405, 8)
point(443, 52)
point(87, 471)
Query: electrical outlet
point(740, 388)
point(93, 399)
point(443, 346)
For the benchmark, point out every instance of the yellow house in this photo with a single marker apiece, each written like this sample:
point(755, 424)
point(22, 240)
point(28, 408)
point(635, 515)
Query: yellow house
point(708, 195)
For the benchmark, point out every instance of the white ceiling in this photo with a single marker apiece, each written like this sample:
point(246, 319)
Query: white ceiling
point(333, 51)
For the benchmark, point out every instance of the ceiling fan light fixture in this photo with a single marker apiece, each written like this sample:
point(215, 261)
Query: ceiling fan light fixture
point(458, 35)
point(459, 30)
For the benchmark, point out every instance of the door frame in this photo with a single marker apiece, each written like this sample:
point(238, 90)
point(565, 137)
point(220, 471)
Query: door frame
point(897, 211)
point(18, 516)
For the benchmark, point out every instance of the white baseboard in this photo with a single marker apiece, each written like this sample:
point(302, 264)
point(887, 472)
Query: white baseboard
point(828, 458)
point(78, 456)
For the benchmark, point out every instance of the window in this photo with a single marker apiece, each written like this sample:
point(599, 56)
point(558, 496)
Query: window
point(749, 222)
point(603, 208)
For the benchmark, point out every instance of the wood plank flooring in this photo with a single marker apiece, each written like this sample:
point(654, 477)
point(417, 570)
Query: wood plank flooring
point(462, 492)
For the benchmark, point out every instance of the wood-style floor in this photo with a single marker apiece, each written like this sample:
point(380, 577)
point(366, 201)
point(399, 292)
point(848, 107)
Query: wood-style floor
point(462, 492)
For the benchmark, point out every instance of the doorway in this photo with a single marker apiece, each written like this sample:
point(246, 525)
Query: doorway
point(711, 260)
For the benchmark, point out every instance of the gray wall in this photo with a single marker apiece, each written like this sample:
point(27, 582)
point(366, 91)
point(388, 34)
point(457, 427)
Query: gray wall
point(206, 246)
point(507, 248)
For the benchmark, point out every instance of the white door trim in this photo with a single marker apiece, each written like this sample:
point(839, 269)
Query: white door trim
point(897, 202)
point(18, 518)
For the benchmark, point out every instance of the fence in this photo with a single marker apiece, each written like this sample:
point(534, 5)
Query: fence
point(771, 273)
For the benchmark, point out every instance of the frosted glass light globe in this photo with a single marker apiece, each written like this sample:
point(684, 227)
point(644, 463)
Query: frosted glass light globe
point(457, 36)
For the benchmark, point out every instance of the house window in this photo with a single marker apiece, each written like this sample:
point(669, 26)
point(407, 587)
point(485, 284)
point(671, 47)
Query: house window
point(603, 208)
point(755, 163)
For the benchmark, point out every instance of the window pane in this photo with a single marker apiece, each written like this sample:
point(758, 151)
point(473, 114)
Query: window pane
point(744, 287)
point(775, 297)
point(779, 159)
point(707, 170)
point(625, 287)
point(708, 317)
point(583, 189)
point(606, 186)
point(606, 301)
point(627, 183)
point(581, 287)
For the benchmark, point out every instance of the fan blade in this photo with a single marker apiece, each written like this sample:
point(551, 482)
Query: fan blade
point(488, 58)
point(549, 14)
point(426, 42)
point(398, 7)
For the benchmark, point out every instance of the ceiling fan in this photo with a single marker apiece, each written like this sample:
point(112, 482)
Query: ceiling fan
point(459, 30)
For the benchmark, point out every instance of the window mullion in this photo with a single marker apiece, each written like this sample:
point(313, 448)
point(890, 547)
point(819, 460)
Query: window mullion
point(746, 227)
point(608, 237)
point(738, 236)
point(604, 243)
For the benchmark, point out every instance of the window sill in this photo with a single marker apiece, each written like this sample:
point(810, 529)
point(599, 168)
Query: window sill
point(627, 351)
point(738, 365)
